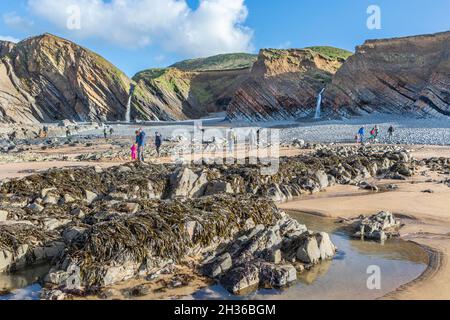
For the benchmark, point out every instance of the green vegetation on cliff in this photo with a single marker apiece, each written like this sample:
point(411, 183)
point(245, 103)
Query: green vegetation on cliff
point(219, 62)
point(332, 52)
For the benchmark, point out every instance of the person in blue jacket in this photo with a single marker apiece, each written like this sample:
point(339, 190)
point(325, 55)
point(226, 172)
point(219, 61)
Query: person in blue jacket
point(141, 139)
point(361, 134)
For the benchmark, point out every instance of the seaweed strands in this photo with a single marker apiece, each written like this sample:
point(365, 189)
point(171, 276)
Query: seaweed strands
point(158, 233)
point(14, 236)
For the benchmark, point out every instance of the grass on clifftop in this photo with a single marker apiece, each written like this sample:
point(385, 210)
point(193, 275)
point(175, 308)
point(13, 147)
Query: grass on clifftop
point(332, 52)
point(219, 62)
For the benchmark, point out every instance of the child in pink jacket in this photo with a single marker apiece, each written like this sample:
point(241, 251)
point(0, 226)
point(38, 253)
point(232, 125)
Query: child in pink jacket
point(134, 152)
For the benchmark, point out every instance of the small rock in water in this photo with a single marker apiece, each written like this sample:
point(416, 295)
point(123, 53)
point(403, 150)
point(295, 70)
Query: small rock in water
point(378, 227)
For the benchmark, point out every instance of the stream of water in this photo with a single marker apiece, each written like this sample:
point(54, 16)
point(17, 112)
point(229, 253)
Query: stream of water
point(319, 105)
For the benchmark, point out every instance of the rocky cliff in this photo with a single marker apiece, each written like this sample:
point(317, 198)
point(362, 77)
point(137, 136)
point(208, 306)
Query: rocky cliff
point(46, 79)
point(403, 75)
point(192, 94)
point(283, 84)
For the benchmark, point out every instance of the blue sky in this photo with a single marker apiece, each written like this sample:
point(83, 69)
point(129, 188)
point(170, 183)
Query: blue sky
point(154, 33)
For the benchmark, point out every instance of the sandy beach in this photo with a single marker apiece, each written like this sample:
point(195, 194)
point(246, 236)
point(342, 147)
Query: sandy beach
point(426, 218)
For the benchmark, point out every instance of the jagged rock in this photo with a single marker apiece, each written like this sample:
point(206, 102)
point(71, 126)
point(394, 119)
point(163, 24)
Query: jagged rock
point(68, 199)
point(326, 246)
point(50, 200)
point(217, 187)
point(190, 228)
point(6, 260)
point(274, 256)
point(90, 196)
point(45, 191)
point(72, 233)
point(124, 169)
point(272, 276)
point(378, 227)
point(322, 178)
point(185, 183)
point(53, 224)
point(308, 248)
point(368, 186)
point(78, 212)
point(309, 251)
point(47, 252)
point(219, 266)
point(241, 280)
point(299, 143)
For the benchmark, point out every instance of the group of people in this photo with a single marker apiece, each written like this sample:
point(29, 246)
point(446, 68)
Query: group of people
point(374, 133)
point(138, 147)
point(106, 131)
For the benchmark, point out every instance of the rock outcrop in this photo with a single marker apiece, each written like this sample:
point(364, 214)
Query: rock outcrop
point(47, 79)
point(378, 227)
point(403, 75)
point(284, 84)
point(191, 94)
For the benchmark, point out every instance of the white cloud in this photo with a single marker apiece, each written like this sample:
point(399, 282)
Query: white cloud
point(216, 26)
point(8, 38)
point(13, 20)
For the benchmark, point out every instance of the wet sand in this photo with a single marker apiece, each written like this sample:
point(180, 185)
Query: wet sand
point(23, 169)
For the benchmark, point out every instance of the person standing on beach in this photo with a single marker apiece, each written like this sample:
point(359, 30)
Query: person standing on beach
point(141, 138)
point(391, 131)
point(105, 133)
point(158, 143)
point(361, 134)
point(231, 139)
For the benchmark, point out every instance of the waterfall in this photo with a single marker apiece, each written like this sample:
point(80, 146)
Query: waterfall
point(319, 105)
point(130, 96)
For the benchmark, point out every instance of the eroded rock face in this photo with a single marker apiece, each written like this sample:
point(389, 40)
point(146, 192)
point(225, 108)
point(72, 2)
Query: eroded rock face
point(283, 84)
point(47, 79)
point(191, 94)
point(394, 75)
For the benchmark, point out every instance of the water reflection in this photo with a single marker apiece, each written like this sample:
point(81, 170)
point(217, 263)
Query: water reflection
point(23, 285)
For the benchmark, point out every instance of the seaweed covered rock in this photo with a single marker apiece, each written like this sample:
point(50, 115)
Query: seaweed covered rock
point(128, 245)
point(22, 244)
